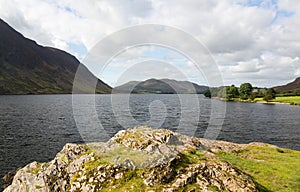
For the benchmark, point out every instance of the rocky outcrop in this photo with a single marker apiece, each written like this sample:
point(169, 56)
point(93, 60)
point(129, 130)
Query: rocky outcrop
point(138, 159)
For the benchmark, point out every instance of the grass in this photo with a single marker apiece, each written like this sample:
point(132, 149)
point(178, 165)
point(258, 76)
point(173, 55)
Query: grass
point(132, 180)
point(37, 169)
point(38, 187)
point(192, 156)
point(275, 169)
point(272, 168)
point(293, 100)
point(138, 157)
point(121, 153)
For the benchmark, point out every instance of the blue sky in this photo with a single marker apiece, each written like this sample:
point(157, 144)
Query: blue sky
point(270, 5)
point(79, 48)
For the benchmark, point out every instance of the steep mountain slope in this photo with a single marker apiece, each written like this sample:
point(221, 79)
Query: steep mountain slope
point(161, 86)
point(290, 87)
point(28, 68)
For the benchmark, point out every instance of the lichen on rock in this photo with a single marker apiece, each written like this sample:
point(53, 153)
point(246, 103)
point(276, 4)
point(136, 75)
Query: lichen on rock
point(137, 159)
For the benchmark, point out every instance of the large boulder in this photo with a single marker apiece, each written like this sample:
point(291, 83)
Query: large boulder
point(141, 158)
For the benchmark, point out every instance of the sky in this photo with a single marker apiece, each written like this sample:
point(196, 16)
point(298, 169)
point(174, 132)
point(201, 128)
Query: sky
point(256, 41)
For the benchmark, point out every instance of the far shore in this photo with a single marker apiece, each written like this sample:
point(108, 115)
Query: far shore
point(289, 100)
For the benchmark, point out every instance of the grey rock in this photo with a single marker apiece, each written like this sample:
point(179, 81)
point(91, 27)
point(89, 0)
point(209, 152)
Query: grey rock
point(156, 156)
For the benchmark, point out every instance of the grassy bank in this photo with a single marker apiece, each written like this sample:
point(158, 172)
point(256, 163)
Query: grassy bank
point(276, 169)
point(294, 100)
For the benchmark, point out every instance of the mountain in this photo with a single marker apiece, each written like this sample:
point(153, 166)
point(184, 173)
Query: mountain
point(161, 86)
point(290, 87)
point(28, 68)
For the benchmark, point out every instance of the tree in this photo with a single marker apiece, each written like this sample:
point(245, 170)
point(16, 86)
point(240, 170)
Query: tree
point(253, 96)
point(222, 93)
point(207, 94)
point(267, 97)
point(228, 92)
point(269, 94)
point(245, 90)
point(232, 92)
point(272, 92)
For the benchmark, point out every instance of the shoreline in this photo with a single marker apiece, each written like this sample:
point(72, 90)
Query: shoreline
point(261, 102)
point(275, 103)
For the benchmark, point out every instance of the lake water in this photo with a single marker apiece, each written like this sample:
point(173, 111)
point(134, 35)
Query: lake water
point(36, 127)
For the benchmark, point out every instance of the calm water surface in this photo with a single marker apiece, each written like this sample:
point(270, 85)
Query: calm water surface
point(36, 127)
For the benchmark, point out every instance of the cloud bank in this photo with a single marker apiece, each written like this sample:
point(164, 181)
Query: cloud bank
point(255, 41)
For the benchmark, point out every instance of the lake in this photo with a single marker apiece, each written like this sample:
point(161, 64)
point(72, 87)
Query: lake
point(36, 127)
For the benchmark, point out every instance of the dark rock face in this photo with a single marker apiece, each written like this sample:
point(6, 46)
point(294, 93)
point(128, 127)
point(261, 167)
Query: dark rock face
point(138, 159)
point(28, 68)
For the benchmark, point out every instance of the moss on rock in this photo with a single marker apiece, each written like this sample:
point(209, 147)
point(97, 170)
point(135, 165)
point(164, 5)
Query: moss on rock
point(146, 159)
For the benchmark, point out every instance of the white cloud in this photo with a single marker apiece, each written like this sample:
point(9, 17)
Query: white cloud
point(134, 64)
point(60, 44)
point(246, 66)
point(257, 43)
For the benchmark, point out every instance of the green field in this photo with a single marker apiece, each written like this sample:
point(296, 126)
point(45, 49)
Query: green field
point(294, 100)
point(274, 169)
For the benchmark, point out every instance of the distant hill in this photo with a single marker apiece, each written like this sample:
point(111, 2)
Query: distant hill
point(290, 87)
point(161, 86)
point(28, 68)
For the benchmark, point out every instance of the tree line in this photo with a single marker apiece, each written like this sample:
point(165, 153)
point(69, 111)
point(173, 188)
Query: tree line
point(245, 92)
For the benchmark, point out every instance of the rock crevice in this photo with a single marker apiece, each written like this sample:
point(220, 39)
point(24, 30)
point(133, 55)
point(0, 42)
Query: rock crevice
point(136, 159)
